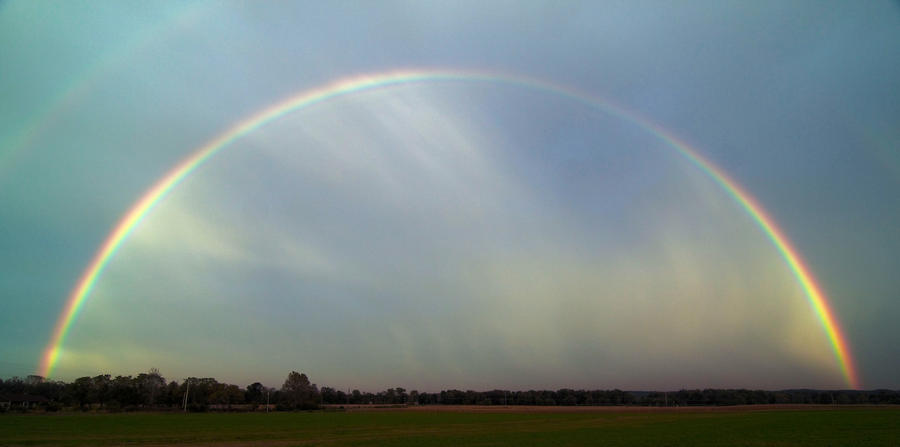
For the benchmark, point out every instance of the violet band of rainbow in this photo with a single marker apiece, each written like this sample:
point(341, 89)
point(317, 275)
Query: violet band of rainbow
point(77, 298)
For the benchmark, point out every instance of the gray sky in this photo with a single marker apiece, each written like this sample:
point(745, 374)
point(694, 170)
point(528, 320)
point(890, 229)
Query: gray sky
point(453, 234)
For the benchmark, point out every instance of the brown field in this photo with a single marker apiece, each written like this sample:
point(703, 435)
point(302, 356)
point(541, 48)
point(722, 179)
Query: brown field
point(590, 409)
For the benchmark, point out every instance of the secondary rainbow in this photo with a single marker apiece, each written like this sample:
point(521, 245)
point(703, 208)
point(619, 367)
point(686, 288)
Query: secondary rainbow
point(347, 86)
point(91, 77)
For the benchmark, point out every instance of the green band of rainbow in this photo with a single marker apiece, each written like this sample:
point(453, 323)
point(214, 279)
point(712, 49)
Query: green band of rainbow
point(347, 86)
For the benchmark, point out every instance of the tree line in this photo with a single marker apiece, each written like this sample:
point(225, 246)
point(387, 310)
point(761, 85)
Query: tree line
point(151, 390)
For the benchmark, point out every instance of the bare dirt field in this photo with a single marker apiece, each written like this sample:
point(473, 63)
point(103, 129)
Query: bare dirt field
point(586, 409)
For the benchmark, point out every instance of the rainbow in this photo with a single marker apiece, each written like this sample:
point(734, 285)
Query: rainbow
point(90, 78)
point(348, 86)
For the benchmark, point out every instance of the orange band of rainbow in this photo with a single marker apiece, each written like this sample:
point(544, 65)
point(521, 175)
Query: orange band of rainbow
point(348, 86)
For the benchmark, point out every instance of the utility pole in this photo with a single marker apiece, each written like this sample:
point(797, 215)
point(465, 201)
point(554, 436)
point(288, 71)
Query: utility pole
point(186, 390)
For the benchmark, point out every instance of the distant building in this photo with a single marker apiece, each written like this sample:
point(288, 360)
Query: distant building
point(21, 400)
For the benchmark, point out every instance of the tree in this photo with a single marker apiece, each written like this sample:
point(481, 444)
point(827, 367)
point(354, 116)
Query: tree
point(150, 386)
point(80, 390)
point(172, 396)
point(330, 396)
point(298, 393)
point(100, 389)
point(227, 395)
point(122, 390)
point(200, 391)
point(255, 393)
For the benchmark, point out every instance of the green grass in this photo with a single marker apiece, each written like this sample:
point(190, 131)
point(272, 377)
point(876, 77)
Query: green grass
point(838, 427)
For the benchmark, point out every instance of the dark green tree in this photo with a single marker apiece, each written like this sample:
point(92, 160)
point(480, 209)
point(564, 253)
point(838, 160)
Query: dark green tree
point(298, 393)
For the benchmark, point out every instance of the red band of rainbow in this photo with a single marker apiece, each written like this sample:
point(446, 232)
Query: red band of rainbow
point(307, 98)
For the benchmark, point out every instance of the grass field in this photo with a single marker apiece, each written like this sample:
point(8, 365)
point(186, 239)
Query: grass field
point(619, 427)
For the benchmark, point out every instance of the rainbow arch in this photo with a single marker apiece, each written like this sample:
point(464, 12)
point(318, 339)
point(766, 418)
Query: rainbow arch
point(88, 79)
point(306, 98)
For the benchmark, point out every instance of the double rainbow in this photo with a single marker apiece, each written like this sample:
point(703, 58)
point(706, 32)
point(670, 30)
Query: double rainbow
point(347, 86)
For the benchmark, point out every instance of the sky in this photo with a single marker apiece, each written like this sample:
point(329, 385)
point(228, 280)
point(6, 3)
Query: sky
point(454, 232)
